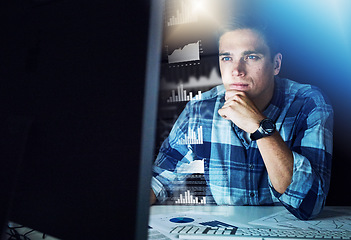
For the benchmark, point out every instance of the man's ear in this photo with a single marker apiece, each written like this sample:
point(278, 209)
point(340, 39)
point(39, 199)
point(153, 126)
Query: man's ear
point(277, 61)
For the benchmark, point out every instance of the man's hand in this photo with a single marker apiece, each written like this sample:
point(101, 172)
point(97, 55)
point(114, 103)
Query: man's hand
point(152, 197)
point(241, 111)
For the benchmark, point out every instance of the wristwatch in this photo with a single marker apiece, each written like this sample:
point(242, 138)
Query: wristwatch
point(267, 128)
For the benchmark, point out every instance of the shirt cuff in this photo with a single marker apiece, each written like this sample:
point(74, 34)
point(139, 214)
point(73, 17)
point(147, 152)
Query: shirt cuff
point(301, 193)
point(159, 190)
point(301, 182)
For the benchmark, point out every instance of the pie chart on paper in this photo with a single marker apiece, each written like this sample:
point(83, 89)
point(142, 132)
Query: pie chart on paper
point(181, 220)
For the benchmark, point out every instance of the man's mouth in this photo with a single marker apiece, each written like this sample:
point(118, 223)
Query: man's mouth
point(239, 86)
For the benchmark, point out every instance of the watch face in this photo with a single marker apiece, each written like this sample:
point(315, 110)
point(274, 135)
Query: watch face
point(268, 125)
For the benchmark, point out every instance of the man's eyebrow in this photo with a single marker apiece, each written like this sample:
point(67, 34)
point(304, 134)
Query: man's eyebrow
point(252, 52)
point(224, 54)
point(248, 52)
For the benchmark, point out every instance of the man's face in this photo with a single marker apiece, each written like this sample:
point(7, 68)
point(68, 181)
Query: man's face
point(246, 64)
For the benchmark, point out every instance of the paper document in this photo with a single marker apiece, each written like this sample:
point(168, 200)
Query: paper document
point(330, 219)
point(164, 223)
point(153, 234)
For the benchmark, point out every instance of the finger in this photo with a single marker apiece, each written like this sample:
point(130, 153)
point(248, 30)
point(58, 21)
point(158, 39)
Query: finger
point(230, 103)
point(222, 113)
point(231, 93)
point(233, 101)
point(241, 99)
point(236, 98)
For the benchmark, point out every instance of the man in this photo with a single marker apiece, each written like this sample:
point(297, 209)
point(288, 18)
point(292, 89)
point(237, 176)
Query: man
point(268, 140)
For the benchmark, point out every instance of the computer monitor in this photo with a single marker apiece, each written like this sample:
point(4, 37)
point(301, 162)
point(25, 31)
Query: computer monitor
point(84, 73)
point(14, 132)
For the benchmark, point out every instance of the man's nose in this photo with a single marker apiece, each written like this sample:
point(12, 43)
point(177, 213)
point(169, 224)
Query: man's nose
point(238, 68)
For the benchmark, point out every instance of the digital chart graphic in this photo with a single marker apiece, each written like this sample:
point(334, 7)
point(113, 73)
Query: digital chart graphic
point(189, 52)
point(166, 222)
point(192, 137)
point(181, 220)
point(188, 198)
point(186, 13)
point(182, 95)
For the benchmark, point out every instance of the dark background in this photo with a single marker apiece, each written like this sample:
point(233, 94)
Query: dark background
point(316, 38)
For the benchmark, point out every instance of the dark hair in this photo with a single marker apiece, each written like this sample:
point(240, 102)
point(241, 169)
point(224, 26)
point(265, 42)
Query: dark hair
point(255, 22)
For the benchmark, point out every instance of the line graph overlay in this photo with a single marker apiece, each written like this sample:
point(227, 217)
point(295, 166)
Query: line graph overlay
point(189, 52)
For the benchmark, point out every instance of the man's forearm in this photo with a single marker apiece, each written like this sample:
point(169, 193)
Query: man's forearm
point(278, 159)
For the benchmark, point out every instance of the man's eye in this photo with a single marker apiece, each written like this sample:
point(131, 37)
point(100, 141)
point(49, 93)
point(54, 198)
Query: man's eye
point(251, 57)
point(225, 59)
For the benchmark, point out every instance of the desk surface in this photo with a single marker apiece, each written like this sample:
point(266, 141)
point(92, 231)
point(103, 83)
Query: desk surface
point(239, 214)
point(242, 214)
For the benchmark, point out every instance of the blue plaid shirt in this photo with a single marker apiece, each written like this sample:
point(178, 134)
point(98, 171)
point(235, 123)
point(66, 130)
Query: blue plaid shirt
point(233, 167)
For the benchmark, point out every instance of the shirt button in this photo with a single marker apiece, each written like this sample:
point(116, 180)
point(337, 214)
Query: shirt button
point(252, 194)
point(251, 166)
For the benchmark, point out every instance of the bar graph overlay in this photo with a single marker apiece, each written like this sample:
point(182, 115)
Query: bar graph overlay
point(182, 96)
point(188, 198)
point(190, 52)
point(186, 14)
point(192, 137)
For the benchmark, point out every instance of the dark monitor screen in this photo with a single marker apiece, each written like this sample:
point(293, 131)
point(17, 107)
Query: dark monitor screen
point(78, 70)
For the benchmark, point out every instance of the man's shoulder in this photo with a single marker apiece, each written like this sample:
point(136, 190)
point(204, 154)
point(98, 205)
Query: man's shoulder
point(302, 90)
point(213, 93)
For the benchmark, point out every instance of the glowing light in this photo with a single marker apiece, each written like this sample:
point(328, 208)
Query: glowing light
point(198, 6)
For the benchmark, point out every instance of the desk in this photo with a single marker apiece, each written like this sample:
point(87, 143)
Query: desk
point(246, 214)
point(241, 214)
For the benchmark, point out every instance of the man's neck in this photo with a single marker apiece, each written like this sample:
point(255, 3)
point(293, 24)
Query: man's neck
point(263, 101)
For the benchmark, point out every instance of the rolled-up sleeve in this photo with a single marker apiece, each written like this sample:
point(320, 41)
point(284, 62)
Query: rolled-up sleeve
point(312, 152)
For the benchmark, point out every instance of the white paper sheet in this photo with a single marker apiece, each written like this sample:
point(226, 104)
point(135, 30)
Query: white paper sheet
point(164, 223)
point(153, 234)
point(331, 219)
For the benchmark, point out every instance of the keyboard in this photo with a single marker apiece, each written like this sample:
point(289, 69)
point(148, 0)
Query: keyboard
point(203, 232)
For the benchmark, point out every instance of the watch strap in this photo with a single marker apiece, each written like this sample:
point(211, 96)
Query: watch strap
point(256, 135)
point(261, 132)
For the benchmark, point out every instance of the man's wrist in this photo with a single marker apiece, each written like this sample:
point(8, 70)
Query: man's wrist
point(257, 125)
point(266, 128)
